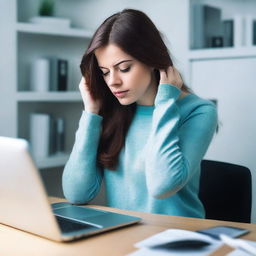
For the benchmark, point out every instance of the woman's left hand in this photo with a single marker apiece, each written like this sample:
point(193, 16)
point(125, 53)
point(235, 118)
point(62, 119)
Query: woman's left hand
point(171, 76)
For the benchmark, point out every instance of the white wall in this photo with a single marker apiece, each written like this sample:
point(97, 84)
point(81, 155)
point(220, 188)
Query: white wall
point(170, 16)
point(7, 65)
point(232, 82)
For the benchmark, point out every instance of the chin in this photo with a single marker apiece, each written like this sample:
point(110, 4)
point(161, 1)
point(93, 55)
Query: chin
point(126, 102)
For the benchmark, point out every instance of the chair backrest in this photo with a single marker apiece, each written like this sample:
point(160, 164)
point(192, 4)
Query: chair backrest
point(226, 191)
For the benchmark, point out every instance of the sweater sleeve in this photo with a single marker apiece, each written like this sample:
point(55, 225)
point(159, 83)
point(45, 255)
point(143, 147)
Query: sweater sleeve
point(175, 149)
point(81, 178)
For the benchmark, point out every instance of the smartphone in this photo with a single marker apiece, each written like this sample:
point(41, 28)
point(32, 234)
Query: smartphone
point(214, 232)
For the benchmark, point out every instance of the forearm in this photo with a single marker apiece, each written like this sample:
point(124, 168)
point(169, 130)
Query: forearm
point(175, 148)
point(165, 166)
point(81, 178)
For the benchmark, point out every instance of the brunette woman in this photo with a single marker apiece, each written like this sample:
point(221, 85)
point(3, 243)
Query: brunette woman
point(142, 130)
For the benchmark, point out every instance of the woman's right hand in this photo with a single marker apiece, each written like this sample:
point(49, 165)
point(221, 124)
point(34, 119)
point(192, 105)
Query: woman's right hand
point(90, 105)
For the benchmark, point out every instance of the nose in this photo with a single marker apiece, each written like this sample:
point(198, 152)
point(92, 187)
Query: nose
point(114, 79)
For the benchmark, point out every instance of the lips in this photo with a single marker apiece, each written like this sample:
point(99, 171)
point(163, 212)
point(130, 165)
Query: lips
point(121, 94)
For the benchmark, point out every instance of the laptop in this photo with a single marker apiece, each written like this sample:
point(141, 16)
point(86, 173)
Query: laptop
point(25, 204)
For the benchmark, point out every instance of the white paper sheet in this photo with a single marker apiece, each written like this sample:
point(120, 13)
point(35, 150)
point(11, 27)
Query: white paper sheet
point(175, 235)
point(239, 252)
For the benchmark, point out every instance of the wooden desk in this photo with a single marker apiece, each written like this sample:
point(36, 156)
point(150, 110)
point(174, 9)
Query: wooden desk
point(112, 243)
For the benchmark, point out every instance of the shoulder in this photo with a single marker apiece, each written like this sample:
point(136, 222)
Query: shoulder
point(194, 102)
point(193, 105)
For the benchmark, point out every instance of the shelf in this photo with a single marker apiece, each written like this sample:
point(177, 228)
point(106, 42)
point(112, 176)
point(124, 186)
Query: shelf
point(222, 53)
point(48, 96)
point(54, 31)
point(52, 161)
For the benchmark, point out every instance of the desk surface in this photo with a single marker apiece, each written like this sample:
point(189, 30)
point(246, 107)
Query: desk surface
point(116, 242)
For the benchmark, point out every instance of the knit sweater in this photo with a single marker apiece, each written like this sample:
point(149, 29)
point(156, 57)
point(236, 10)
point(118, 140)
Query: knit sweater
point(159, 165)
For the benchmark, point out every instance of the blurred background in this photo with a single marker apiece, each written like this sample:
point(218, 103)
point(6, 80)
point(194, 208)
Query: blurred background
point(213, 44)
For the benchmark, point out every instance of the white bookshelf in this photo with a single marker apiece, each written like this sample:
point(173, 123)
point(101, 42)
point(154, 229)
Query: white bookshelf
point(222, 53)
point(227, 75)
point(48, 97)
point(23, 27)
point(207, 23)
point(35, 41)
point(198, 65)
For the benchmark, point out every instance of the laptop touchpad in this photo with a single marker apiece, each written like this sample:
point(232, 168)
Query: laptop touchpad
point(77, 212)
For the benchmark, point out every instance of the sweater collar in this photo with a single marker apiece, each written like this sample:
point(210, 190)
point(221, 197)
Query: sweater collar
point(144, 110)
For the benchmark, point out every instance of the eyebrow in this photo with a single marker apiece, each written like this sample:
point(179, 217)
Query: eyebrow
point(117, 63)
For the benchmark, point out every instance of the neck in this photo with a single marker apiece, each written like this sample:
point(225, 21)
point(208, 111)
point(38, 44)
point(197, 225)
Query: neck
point(150, 94)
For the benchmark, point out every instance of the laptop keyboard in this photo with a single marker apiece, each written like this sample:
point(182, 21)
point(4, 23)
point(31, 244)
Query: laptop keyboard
point(67, 225)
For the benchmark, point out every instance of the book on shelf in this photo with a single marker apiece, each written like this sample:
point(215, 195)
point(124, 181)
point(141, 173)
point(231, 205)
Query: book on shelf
point(74, 73)
point(62, 74)
point(244, 30)
point(40, 75)
point(58, 74)
point(60, 135)
point(57, 140)
point(249, 30)
point(47, 135)
point(206, 27)
point(49, 74)
point(52, 136)
point(39, 135)
point(228, 33)
point(254, 32)
point(239, 31)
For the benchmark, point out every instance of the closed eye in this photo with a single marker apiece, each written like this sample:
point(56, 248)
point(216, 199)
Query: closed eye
point(125, 70)
point(105, 74)
point(122, 70)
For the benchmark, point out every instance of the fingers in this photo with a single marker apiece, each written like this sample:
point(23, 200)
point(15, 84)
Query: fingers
point(171, 76)
point(166, 75)
point(169, 72)
point(90, 104)
point(163, 76)
point(82, 84)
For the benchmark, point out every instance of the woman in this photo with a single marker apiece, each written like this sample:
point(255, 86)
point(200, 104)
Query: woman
point(142, 131)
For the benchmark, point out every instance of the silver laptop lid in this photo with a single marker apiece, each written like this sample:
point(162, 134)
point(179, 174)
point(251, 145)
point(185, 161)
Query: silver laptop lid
point(23, 199)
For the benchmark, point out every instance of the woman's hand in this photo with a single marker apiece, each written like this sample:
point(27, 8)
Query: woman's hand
point(90, 105)
point(171, 76)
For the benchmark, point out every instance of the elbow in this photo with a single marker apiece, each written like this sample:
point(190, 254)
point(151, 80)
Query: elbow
point(77, 190)
point(75, 198)
point(163, 187)
point(160, 191)
point(76, 195)
point(166, 183)
point(78, 198)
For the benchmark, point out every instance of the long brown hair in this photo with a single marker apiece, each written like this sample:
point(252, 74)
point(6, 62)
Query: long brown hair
point(135, 34)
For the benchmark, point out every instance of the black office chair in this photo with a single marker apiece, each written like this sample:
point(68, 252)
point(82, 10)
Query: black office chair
point(226, 191)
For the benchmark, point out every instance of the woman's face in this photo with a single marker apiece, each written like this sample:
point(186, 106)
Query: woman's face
point(127, 78)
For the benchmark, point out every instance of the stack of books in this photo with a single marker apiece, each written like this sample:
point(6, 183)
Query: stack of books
point(49, 74)
point(210, 30)
point(206, 27)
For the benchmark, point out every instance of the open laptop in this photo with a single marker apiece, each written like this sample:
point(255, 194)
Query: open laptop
point(25, 205)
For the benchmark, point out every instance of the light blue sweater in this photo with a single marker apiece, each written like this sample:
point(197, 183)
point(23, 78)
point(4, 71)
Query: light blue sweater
point(159, 165)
